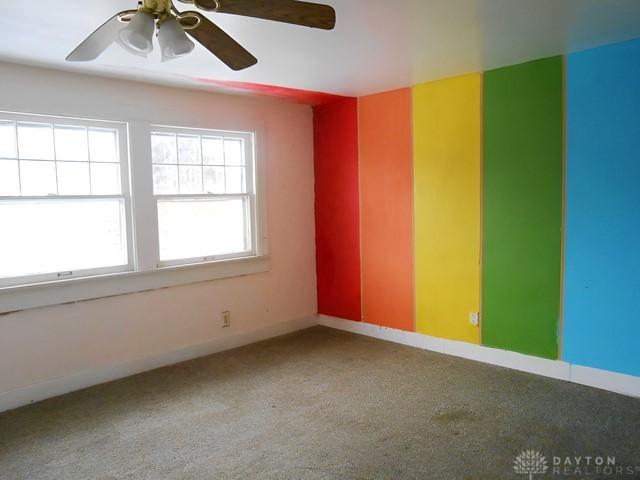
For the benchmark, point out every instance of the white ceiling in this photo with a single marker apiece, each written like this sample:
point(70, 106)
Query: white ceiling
point(377, 44)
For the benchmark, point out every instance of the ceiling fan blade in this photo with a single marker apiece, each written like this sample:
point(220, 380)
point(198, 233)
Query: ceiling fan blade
point(218, 42)
point(289, 11)
point(98, 41)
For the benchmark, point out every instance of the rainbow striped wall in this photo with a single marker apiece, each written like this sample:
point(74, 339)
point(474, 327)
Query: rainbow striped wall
point(522, 207)
point(512, 193)
point(446, 166)
point(602, 243)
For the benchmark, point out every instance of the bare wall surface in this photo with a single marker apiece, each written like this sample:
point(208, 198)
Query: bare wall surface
point(49, 343)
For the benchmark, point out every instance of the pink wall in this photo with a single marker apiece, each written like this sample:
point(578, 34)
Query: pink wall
point(45, 344)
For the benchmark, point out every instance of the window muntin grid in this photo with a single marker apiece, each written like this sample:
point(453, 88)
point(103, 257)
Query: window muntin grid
point(64, 198)
point(42, 159)
point(207, 176)
point(198, 164)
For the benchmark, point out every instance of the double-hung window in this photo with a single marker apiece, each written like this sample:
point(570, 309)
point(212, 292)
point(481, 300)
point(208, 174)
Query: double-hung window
point(64, 199)
point(74, 205)
point(205, 194)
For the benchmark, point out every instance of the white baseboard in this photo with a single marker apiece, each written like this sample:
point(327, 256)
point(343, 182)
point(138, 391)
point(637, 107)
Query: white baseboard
point(602, 379)
point(606, 380)
point(52, 388)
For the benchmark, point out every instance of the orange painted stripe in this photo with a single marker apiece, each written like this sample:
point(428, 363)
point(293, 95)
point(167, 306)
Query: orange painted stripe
point(386, 202)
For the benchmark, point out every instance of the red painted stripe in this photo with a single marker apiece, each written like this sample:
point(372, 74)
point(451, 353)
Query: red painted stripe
point(337, 209)
point(299, 96)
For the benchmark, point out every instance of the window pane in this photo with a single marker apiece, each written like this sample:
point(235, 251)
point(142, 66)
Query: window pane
point(234, 178)
point(38, 178)
point(190, 179)
point(105, 179)
point(71, 144)
point(163, 148)
point(189, 149)
point(103, 145)
point(9, 178)
point(165, 179)
point(73, 178)
point(8, 140)
point(212, 151)
point(202, 227)
point(214, 180)
point(50, 236)
point(35, 141)
point(233, 152)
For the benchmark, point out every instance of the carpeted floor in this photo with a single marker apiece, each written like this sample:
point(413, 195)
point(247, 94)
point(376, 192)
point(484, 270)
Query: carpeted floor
point(318, 404)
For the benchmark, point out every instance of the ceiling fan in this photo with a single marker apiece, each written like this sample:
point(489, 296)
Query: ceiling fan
point(134, 29)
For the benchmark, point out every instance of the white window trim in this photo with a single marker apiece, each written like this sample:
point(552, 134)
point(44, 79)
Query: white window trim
point(249, 139)
point(58, 292)
point(125, 188)
point(142, 231)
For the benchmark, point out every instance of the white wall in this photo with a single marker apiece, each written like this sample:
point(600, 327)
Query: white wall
point(51, 343)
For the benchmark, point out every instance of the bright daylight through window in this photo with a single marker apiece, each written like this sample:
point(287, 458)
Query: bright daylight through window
point(66, 205)
point(203, 184)
point(63, 199)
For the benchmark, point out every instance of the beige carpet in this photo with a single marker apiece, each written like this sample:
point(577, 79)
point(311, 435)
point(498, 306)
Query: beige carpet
point(318, 404)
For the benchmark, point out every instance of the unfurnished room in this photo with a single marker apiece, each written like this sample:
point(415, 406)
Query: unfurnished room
point(328, 240)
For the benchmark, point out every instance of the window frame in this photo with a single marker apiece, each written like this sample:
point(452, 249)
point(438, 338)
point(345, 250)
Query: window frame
point(125, 195)
point(144, 273)
point(251, 194)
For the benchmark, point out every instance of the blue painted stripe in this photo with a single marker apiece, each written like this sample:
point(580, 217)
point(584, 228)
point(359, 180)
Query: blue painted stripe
point(602, 243)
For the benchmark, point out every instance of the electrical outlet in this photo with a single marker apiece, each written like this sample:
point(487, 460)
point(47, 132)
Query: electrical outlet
point(474, 319)
point(226, 319)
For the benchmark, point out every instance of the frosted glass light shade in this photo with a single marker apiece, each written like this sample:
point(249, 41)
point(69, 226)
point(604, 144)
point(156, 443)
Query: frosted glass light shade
point(137, 37)
point(174, 42)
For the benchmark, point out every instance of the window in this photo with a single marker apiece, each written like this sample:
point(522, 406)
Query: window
point(73, 206)
point(204, 191)
point(64, 200)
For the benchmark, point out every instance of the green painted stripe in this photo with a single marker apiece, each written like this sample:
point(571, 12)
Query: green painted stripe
point(522, 207)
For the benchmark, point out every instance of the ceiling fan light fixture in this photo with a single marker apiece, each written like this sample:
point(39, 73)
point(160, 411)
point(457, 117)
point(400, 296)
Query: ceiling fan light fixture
point(173, 41)
point(134, 29)
point(137, 37)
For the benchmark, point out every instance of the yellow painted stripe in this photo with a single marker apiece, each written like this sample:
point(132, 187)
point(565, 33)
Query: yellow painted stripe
point(447, 166)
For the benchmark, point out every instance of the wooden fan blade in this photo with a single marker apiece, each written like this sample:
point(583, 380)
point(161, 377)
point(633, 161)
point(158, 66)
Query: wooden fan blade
point(288, 11)
point(218, 42)
point(98, 41)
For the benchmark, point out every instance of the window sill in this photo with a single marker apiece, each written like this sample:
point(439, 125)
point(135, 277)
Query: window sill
point(87, 288)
